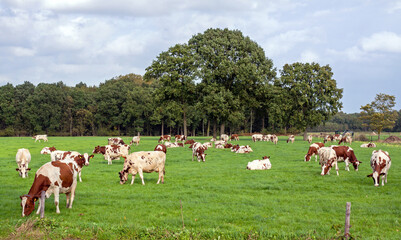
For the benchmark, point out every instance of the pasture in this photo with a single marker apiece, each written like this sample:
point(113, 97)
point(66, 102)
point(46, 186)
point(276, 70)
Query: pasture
point(219, 197)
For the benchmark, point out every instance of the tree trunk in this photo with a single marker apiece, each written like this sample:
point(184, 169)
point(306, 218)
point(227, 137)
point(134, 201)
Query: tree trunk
point(203, 127)
point(208, 128)
point(305, 135)
point(222, 126)
point(263, 122)
point(215, 130)
point(162, 133)
point(250, 129)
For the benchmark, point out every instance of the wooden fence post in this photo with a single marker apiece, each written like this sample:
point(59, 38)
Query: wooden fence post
point(347, 220)
point(42, 204)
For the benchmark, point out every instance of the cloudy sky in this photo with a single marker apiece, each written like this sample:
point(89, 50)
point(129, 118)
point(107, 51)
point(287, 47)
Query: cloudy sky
point(95, 40)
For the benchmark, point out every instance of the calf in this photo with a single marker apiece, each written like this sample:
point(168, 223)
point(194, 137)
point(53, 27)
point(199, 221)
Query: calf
point(53, 177)
point(313, 150)
point(198, 150)
point(164, 138)
point(40, 137)
point(180, 138)
point(291, 139)
point(136, 140)
point(368, 145)
point(112, 152)
point(23, 158)
point(267, 137)
point(161, 147)
point(48, 150)
point(234, 137)
point(260, 164)
point(139, 162)
point(116, 141)
point(380, 162)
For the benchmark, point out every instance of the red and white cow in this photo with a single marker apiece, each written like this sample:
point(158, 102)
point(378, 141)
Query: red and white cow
point(309, 139)
point(244, 149)
point(112, 152)
point(59, 155)
point(48, 150)
point(139, 162)
point(72, 155)
point(161, 147)
point(228, 145)
point(257, 137)
point(267, 137)
point(368, 145)
point(190, 141)
point(136, 140)
point(328, 138)
point(164, 138)
point(346, 154)
point(224, 137)
point(53, 178)
point(23, 158)
point(116, 141)
point(346, 139)
point(291, 139)
point(234, 137)
point(180, 138)
point(380, 162)
point(40, 137)
point(207, 145)
point(198, 150)
point(313, 150)
point(328, 159)
point(260, 164)
point(274, 139)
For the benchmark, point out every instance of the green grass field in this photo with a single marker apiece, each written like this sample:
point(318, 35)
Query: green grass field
point(220, 198)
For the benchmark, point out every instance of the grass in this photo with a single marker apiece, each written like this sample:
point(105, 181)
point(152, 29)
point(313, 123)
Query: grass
point(220, 198)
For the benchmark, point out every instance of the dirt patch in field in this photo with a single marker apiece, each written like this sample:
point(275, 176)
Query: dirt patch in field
point(27, 230)
point(392, 139)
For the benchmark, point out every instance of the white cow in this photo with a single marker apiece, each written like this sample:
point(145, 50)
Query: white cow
point(328, 158)
point(368, 145)
point(23, 158)
point(224, 137)
point(40, 137)
point(380, 162)
point(274, 139)
point(309, 139)
point(139, 162)
point(257, 137)
point(112, 152)
point(136, 140)
point(260, 164)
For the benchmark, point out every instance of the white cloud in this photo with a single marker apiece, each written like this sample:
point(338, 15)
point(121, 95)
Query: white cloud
point(395, 6)
point(22, 52)
point(309, 56)
point(382, 42)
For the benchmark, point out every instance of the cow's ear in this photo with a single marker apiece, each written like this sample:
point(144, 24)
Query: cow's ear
point(21, 197)
point(17, 169)
point(382, 174)
point(91, 156)
point(370, 175)
point(359, 162)
point(28, 169)
point(35, 198)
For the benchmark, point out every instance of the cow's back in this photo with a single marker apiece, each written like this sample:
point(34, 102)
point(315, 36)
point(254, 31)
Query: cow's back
point(149, 161)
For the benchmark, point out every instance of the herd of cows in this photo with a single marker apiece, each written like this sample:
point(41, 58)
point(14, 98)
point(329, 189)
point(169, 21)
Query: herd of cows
point(61, 173)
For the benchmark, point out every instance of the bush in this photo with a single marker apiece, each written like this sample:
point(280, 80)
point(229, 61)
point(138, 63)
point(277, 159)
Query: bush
point(362, 138)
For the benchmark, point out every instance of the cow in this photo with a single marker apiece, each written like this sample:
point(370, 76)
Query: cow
point(260, 164)
point(116, 141)
point(328, 159)
point(346, 154)
point(53, 178)
point(234, 137)
point(190, 141)
point(274, 139)
point(48, 150)
point(257, 137)
point(368, 145)
point(180, 138)
point(224, 137)
point(309, 139)
point(267, 137)
point(161, 147)
point(136, 140)
point(213, 139)
point(59, 155)
point(337, 137)
point(346, 139)
point(40, 137)
point(328, 138)
point(139, 162)
point(341, 153)
point(198, 150)
point(72, 155)
point(244, 149)
point(313, 150)
point(380, 162)
point(234, 148)
point(170, 145)
point(164, 138)
point(219, 142)
point(112, 152)
point(219, 146)
point(23, 158)
point(207, 145)
point(228, 145)
point(291, 139)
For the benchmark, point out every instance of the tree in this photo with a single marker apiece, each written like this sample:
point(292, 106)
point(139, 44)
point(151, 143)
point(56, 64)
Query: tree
point(310, 95)
point(379, 114)
point(174, 72)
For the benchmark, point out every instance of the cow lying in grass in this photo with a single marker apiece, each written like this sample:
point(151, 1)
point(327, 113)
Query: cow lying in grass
point(260, 164)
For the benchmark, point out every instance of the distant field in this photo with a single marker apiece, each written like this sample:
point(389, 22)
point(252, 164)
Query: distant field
point(220, 198)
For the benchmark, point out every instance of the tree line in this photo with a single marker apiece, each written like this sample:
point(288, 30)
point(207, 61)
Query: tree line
point(219, 81)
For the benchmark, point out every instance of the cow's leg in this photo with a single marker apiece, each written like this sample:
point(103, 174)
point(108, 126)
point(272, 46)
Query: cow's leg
point(74, 185)
point(68, 197)
point(141, 176)
point(346, 161)
point(133, 178)
point(39, 206)
point(108, 160)
point(56, 199)
point(193, 156)
point(315, 157)
point(161, 176)
point(336, 167)
point(79, 174)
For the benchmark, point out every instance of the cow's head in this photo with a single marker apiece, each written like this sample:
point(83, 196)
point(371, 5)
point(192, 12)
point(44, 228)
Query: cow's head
point(87, 158)
point(28, 204)
point(201, 153)
point(307, 157)
point(266, 157)
point(327, 166)
point(352, 158)
point(23, 171)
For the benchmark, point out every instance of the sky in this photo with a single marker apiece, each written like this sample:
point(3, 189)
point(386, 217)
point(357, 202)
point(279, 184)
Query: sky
point(91, 41)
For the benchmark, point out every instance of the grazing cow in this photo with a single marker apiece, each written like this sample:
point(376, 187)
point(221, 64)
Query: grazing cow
point(112, 152)
point(257, 137)
point(139, 162)
point(328, 159)
point(234, 137)
point(224, 137)
point(346, 154)
point(346, 139)
point(328, 138)
point(337, 137)
point(198, 150)
point(380, 162)
point(136, 140)
point(161, 147)
point(53, 177)
point(243, 149)
point(190, 141)
point(116, 141)
point(267, 137)
point(48, 150)
point(40, 137)
point(274, 139)
point(180, 138)
point(368, 145)
point(291, 139)
point(309, 139)
point(313, 150)
point(164, 138)
point(23, 158)
point(260, 164)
